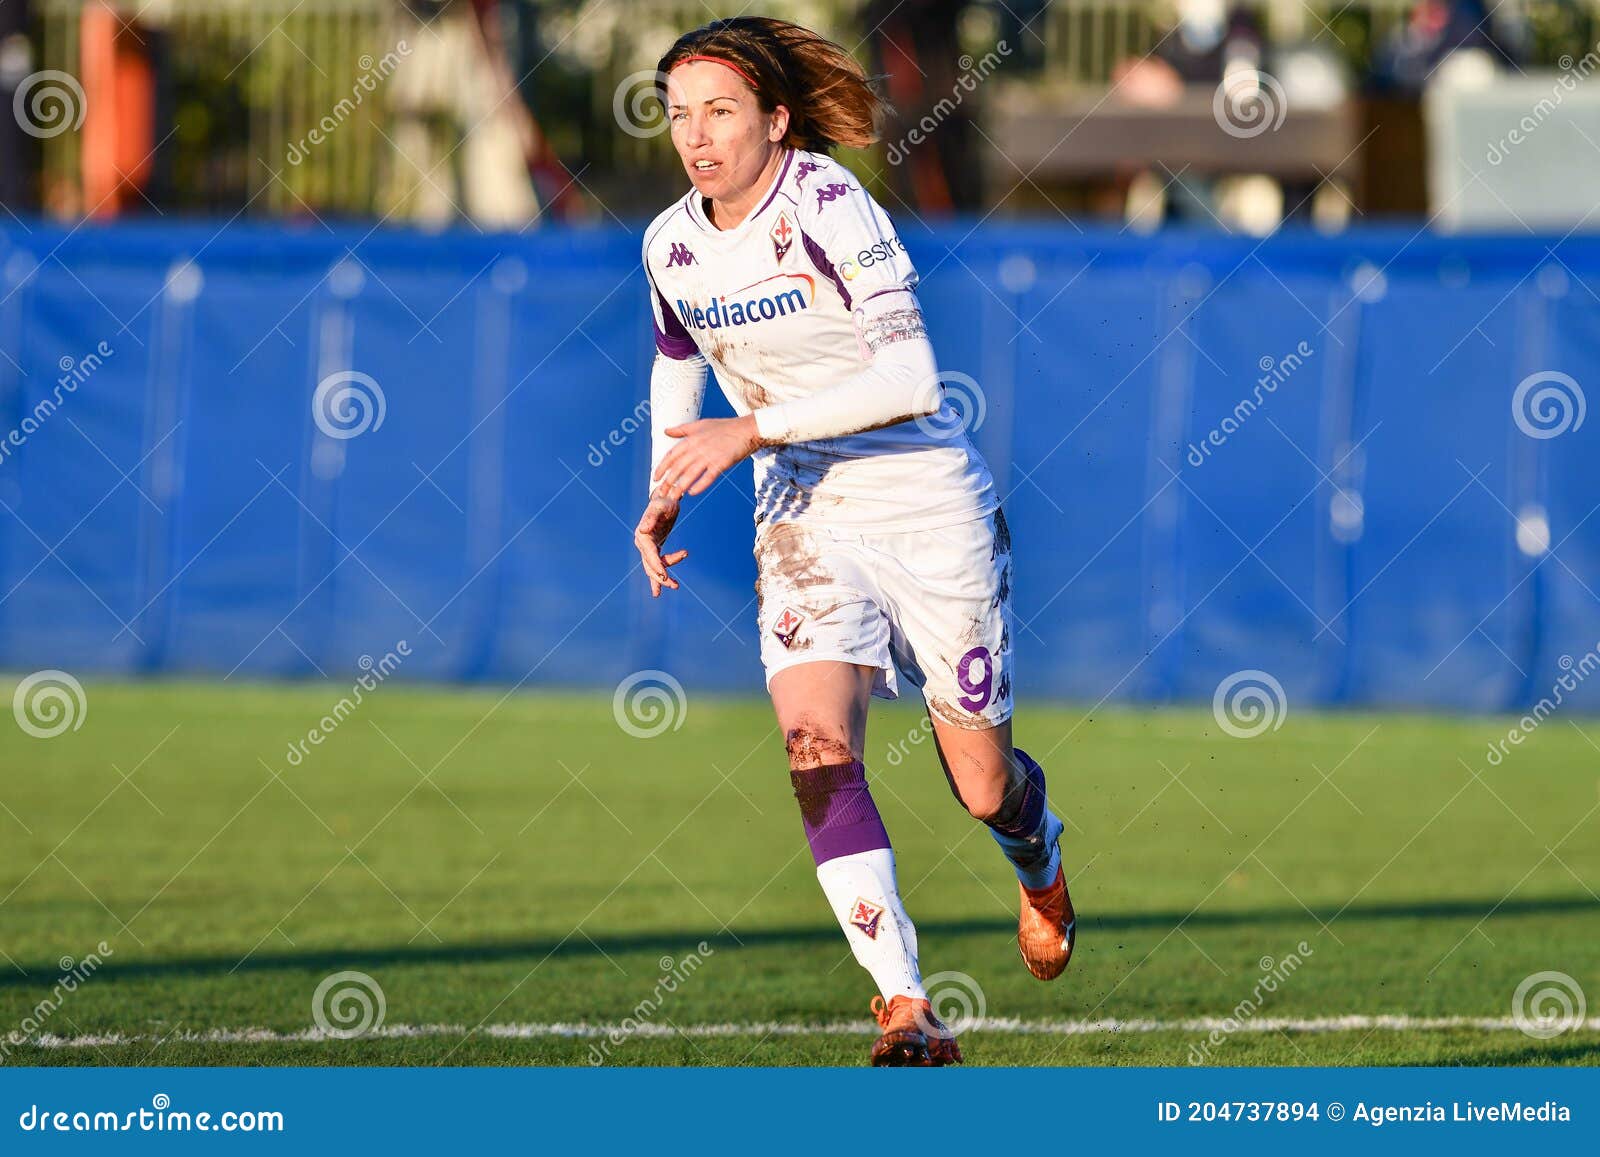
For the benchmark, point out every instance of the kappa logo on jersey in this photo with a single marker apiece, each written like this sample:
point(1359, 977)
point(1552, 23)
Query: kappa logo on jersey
point(831, 193)
point(679, 255)
point(782, 236)
point(866, 915)
point(748, 307)
point(787, 626)
point(802, 169)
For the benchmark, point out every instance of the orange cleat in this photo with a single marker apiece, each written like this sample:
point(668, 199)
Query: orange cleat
point(1046, 928)
point(912, 1036)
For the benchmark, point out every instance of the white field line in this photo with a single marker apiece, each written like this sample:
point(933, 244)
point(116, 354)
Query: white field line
point(585, 1031)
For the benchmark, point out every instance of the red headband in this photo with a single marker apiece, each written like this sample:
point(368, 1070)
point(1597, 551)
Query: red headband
point(745, 76)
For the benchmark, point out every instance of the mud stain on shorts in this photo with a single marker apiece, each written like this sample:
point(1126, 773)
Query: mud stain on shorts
point(788, 553)
point(947, 712)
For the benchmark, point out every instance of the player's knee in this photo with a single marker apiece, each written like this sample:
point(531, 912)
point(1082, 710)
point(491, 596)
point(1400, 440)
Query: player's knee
point(984, 801)
point(810, 744)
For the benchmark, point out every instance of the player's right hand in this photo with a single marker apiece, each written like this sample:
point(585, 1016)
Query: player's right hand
point(654, 526)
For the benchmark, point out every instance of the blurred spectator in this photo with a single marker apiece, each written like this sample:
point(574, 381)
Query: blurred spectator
point(463, 136)
point(1434, 30)
point(916, 49)
point(1202, 45)
point(1206, 43)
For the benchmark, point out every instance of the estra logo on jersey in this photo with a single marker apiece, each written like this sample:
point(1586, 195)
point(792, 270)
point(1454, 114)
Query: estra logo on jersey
point(769, 298)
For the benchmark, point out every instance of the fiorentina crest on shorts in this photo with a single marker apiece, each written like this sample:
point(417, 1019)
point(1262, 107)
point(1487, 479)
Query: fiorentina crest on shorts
point(787, 626)
point(865, 915)
point(782, 236)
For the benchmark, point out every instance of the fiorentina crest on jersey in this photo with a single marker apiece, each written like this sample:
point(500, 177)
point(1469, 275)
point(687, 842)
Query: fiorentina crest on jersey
point(865, 915)
point(782, 236)
point(787, 626)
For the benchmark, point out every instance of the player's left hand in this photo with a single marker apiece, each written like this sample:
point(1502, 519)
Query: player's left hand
point(706, 449)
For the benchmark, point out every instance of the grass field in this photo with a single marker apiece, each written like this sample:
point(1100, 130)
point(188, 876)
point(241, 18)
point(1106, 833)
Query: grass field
point(501, 869)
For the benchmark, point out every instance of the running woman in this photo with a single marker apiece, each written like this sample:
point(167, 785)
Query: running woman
point(879, 537)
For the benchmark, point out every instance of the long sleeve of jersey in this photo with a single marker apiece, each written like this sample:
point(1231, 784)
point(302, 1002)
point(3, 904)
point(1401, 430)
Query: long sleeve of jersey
point(899, 382)
point(677, 390)
point(677, 377)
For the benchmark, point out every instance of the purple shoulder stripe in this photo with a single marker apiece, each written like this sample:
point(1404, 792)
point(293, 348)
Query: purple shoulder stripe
point(819, 258)
point(673, 341)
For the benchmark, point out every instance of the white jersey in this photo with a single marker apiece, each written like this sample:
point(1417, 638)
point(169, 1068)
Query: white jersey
point(770, 303)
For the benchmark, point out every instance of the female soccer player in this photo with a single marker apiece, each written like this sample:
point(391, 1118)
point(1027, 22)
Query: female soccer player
point(880, 540)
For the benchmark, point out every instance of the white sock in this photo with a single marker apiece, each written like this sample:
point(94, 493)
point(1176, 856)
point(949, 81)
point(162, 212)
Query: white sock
point(862, 892)
point(1024, 853)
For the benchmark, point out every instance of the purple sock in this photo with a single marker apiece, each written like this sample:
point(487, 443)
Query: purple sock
point(1023, 819)
point(837, 810)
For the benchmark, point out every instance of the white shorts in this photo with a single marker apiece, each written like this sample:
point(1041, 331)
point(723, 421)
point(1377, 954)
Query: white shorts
point(936, 603)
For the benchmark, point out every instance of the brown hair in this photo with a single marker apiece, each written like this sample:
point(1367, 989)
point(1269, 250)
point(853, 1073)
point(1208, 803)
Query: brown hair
point(829, 99)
